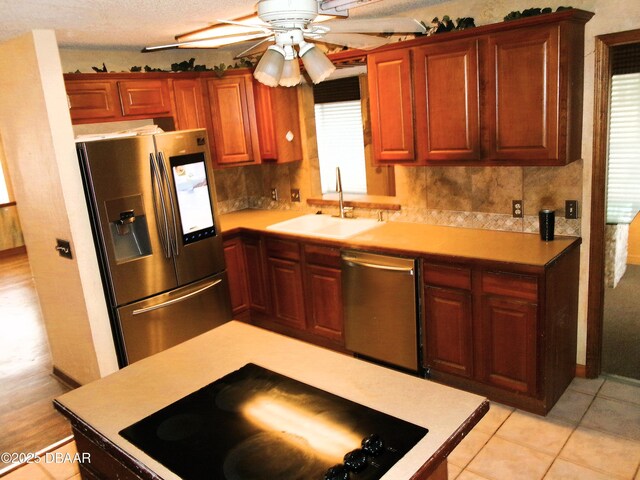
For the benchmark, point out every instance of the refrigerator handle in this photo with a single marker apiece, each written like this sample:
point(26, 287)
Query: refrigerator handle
point(176, 300)
point(165, 175)
point(161, 221)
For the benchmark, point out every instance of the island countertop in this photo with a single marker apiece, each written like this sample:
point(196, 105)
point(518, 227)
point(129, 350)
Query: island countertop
point(108, 405)
point(422, 239)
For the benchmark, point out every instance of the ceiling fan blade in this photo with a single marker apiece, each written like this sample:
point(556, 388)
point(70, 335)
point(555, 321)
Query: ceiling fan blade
point(213, 42)
point(244, 25)
point(375, 25)
point(255, 48)
point(354, 40)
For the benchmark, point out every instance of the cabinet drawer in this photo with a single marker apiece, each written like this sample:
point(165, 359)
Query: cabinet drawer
point(321, 255)
point(511, 285)
point(144, 97)
point(446, 276)
point(282, 249)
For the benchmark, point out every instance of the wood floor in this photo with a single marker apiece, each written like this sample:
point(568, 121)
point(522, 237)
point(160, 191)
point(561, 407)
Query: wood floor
point(28, 422)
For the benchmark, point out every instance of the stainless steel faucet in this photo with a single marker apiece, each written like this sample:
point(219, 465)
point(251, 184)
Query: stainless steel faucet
point(339, 190)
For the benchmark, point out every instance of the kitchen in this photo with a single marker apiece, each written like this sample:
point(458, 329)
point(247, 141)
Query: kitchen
point(89, 369)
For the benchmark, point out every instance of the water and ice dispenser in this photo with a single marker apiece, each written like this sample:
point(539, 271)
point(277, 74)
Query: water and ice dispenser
point(129, 228)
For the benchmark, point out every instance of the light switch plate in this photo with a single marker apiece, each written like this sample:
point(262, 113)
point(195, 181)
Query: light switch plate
point(295, 194)
point(571, 209)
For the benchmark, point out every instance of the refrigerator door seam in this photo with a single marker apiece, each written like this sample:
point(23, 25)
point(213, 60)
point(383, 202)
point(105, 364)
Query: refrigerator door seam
point(156, 184)
point(176, 300)
point(165, 175)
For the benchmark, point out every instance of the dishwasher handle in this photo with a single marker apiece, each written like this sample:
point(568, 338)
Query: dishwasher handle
point(355, 261)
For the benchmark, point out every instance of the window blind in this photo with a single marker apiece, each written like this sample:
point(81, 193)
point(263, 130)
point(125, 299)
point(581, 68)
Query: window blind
point(341, 143)
point(623, 176)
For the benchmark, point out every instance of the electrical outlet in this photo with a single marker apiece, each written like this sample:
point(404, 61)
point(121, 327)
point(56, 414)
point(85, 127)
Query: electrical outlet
point(274, 194)
point(571, 209)
point(517, 208)
point(295, 194)
point(64, 248)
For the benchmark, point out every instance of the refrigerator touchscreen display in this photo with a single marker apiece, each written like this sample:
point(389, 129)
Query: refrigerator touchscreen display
point(192, 192)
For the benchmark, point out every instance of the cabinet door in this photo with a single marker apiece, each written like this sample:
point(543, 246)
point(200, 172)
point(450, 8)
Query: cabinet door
point(144, 97)
point(508, 344)
point(233, 119)
point(448, 330)
point(324, 300)
point(445, 77)
point(286, 284)
point(265, 121)
point(92, 100)
point(278, 123)
point(522, 95)
point(256, 275)
point(389, 75)
point(234, 259)
point(189, 107)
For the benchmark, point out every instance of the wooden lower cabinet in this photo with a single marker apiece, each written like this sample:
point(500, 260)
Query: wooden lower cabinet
point(237, 275)
point(509, 347)
point(323, 285)
point(448, 330)
point(288, 286)
point(504, 331)
point(285, 278)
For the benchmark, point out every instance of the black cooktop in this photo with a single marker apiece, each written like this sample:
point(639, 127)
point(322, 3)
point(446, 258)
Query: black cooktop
point(255, 424)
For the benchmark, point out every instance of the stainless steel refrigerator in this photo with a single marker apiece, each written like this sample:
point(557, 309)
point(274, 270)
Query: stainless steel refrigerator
point(152, 205)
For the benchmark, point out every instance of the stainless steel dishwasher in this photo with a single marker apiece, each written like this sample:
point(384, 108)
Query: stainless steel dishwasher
point(380, 307)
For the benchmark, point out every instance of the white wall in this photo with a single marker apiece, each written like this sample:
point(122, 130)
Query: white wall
point(122, 60)
point(38, 141)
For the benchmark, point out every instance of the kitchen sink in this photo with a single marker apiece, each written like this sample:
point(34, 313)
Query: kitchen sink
point(324, 226)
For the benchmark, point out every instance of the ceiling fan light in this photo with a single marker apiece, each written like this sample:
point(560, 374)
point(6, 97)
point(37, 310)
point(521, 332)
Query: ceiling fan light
point(290, 73)
point(316, 63)
point(269, 68)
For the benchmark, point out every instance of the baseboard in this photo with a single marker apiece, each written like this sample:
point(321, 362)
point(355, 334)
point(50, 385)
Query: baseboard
point(581, 371)
point(13, 251)
point(64, 378)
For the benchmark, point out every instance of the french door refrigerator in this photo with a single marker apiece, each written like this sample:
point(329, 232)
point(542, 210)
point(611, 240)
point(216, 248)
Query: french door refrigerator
point(152, 205)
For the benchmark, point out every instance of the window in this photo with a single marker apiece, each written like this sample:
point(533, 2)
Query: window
point(338, 114)
point(341, 144)
point(623, 176)
point(4, 179)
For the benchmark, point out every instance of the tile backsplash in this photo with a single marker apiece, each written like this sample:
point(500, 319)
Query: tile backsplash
point(469, 197)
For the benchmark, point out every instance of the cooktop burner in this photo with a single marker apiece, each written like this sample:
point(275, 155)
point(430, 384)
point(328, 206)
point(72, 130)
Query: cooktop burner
point(255, 424)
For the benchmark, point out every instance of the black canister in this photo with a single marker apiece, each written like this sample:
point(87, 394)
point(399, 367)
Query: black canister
point(547, 224)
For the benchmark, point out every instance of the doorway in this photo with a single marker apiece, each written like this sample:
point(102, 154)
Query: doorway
point(604, 45)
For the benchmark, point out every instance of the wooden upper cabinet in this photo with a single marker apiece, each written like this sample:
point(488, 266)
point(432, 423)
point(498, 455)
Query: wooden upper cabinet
point(265, 121)
point(391, 103)
point(233, 119)
point(189, 111)
point(445, 77)
point(92, 100)
point(278, 123)
point(145, 97)
point(522, 95)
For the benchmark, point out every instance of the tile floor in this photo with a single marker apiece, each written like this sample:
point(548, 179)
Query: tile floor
point(593, 433)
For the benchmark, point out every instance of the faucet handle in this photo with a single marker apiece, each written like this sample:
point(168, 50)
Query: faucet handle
point(348, 212)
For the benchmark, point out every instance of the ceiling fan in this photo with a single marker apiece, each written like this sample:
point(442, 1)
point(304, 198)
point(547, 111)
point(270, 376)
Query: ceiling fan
point(289, 24)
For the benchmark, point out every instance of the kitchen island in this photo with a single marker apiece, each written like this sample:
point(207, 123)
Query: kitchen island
point(100, 410)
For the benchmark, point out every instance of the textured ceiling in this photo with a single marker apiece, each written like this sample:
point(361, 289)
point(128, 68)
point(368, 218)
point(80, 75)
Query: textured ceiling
point(132, 24)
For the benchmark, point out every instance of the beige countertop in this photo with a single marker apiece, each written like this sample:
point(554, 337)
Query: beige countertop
point(423, 239)
point(121, 399)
